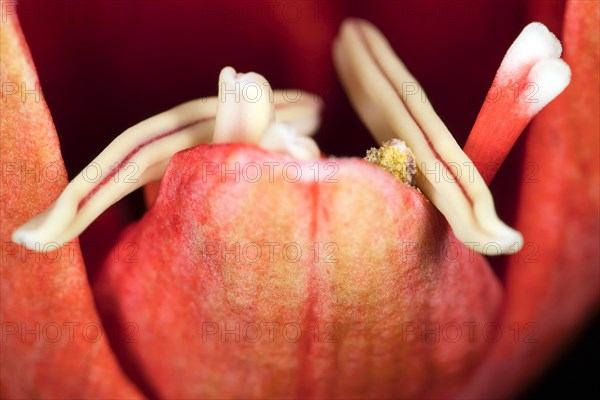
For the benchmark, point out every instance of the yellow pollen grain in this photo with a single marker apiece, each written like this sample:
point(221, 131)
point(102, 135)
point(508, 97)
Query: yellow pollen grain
point(395, 157)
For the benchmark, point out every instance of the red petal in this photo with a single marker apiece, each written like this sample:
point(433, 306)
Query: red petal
point(553, 284)
point(359, 320)
point(50, 328)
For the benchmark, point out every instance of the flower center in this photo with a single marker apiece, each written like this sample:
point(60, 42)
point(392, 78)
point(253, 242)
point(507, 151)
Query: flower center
point(386, 97)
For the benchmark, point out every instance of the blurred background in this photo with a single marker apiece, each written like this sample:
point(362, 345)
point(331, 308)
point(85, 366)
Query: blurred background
point(106, 65)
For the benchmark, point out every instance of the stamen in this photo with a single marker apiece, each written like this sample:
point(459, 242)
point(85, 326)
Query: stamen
point(530, 76)
point(249, 117)
point(389, 101)
point(141, 153)
point(246, 108)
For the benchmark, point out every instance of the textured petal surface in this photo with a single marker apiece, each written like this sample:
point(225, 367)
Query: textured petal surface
point(53, 343)
point(349, 287)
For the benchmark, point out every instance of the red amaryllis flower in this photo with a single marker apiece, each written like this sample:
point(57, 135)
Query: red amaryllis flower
point(375, 323)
